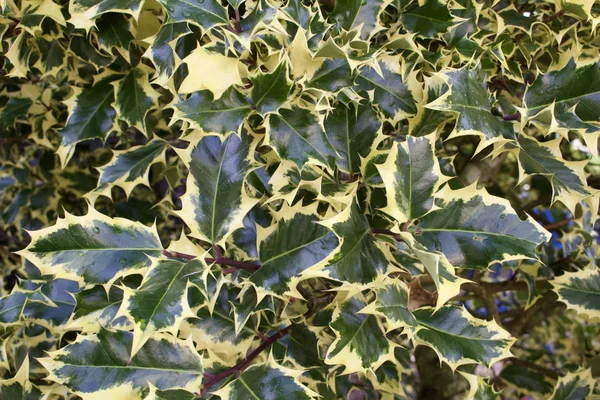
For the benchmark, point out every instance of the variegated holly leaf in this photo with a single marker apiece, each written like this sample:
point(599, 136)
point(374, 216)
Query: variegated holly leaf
point(360, 344)
point(411, 175)
point(352, 131)
point(92, 249)
point(216, 201)
point(572, 94)
point(303, 347)
point(350, 14)
point(129, 168)
point(19, 386)
point(134, 97)
point(97, 308)
point(359, 260)
point(430, 19)
point(271, 90)
point(175, 394)
point(52, 303)
point(219, 72)
point(526, 380)
point(470, 99)
point(297, 135)
point(332, 76)
point(479, 389)
point(11, 307)
point(162, 54)
point(580, 291)
point(474, 229)
point(285, 254)
point(206, 13)
point(83, 13)
point(15, 109)
point(224, 115)
point(264, 381)
point(91, 116)
point(389, 90)
point(575, 385)
point(161, 302)
point(566, 177)
point(392, 304)
point(458, 338)
point(104, 363)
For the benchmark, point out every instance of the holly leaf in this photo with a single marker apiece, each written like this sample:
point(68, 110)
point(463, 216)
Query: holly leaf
point(15, 109)
point(565, 92)
point(92, 249)
point(205, 13)
point(104, 363)
point(160, 304)
point(360, 344)
point(332, 76)
point(11, 307)
point(224, 115)
point(468, 97)
point(297, 135)
point(84, 12)
point(349, 14)
point(91, 116)
point(96, 308)
point(19, 386)
point(129, 168)
point(390, 93)
point(574, 385)
point(459, 339)
point(265, 381)
point(270, 91)
point(285, 255)
point(411, 175)
point(429, 19)
point(391, 302)
point(216, 201)
point(134, 98)
point(580, 291)
point(303, 347)
point(359, 260)
point(352, 131)
point(162, 54)
point(474, 229)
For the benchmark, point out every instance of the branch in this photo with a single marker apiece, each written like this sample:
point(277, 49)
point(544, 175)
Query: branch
point(545, 303)
point(528, 364)
point(557, 225)
point(245, 363)
point(219, 260)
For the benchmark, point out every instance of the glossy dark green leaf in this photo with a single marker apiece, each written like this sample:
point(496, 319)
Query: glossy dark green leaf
point(204, 13)
point(390, 92)
point(392, 303)
point(428, 20)
point(135, 97)
point(359, 259)
point(114, 31)
point(98, 308)
point(352, 132)
point(224, 115)
point(104, 362)
point(284, 254)
point(270, 91)
point(349, 14)
point(303, 346)
point(215, 202)
point(160, 52)
point(15, 109)
point(298, 136)
point(332, 76)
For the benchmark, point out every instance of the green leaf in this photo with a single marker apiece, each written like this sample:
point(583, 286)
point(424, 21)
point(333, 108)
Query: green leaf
point(390, 92)
point(129, 168)
point(205, 13)
point(298, 12)
point(458, 338)
point(474, 229)
point(429, 19)
point(91, 116)
point(568, 88)
point(14, 110)
point(115, 32)
point(162, 54)
point(526, 379)
point(575, 385)
point(92, 249)
point(298, 135)
point(332, 76)
point(411, 175)
point(580, 291)
point(11, 307)
point(469, 98)
point(480, 390)
point(224, 115)
point(359, 259)
point(352, 132)
point(566, 177)
point(285, 255)
point(160, 303)
point(95, 308)
point(392, 304)
point(270, 91)
point(266, 381)
point(360, 343)
point(303, 347)
point(216, 201)
point(134, 98)
point(52, 304)
point(349, 14)
point(104, 363)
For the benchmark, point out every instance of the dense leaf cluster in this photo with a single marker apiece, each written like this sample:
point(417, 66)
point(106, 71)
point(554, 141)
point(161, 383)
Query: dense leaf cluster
point(286, 199)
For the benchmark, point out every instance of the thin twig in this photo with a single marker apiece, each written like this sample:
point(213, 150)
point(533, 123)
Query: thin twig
point(557, 225)
point(245, 363)
point(219, 260)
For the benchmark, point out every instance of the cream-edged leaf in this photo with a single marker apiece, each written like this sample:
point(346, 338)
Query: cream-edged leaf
point(580, 291)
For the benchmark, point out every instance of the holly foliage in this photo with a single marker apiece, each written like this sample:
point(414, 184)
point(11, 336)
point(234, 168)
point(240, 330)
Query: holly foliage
point(286, 199)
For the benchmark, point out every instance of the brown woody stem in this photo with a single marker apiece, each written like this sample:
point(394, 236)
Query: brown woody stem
point(219, 260)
